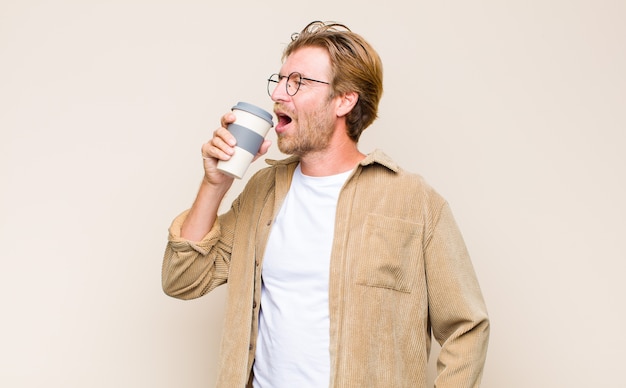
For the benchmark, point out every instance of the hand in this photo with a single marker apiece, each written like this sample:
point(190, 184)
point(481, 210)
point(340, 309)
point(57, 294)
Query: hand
point(222, 147)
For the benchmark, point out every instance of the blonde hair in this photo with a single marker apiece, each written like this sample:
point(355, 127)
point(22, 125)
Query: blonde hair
point(355, 66)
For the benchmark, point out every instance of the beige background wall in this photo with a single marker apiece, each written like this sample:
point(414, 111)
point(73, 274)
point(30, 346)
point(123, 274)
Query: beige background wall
point(514, 110)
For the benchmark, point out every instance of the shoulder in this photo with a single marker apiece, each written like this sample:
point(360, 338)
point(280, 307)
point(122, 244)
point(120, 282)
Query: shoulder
point(380, 169)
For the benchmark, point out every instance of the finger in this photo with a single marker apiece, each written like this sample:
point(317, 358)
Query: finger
point(224, 135)
point(217, 149)
point(228, 118)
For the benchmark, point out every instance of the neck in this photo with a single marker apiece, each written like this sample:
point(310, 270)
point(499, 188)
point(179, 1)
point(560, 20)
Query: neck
point(335, 159)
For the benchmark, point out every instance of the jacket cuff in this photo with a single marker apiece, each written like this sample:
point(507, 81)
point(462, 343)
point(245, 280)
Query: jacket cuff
point(180, 244)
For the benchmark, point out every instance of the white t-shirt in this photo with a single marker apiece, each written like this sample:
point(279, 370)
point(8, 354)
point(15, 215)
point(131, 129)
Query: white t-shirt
point(293, 341)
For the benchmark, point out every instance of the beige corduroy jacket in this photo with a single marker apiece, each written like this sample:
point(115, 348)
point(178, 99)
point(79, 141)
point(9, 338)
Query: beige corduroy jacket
point(399, 271)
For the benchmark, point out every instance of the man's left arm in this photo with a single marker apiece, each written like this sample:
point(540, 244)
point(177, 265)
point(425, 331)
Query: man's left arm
point(457, 310)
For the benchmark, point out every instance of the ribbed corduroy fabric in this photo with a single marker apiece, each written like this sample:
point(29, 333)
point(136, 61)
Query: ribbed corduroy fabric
point(399, 272)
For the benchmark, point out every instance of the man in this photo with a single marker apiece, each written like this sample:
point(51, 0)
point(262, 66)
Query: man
point(340, 265)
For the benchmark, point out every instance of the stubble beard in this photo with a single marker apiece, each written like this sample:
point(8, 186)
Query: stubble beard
point(313, 136)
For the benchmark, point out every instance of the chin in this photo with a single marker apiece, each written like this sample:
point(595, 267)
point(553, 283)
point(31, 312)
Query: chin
point(287, 148)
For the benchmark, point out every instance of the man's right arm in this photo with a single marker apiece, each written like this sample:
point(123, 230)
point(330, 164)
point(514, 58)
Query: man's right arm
point(214, 186)
point(197, 255)
point(193, 268)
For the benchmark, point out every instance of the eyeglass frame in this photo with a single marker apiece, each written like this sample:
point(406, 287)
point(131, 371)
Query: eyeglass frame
point(281, 77)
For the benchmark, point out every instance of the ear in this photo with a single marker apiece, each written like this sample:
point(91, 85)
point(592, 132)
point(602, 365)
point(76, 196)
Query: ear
point(346, 102)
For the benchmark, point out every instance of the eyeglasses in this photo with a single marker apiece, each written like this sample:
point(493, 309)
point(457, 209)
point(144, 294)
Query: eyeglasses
point(294, 81)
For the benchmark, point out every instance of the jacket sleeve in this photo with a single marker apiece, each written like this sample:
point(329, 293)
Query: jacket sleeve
point(457, 310)
point(192, 269)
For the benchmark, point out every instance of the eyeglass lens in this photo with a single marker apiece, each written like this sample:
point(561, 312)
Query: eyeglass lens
point(292, 85)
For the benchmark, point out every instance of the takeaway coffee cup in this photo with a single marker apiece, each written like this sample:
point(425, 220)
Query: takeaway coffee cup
point(250, 128)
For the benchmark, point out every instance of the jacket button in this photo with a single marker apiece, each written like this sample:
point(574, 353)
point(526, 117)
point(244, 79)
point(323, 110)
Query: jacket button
point(250, 347)
point(269, 222)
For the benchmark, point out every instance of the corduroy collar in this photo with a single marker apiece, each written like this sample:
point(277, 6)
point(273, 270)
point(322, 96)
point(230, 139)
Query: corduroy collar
point(375, 157)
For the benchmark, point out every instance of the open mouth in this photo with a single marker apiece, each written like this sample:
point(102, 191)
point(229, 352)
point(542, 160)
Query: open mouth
point(283, 120)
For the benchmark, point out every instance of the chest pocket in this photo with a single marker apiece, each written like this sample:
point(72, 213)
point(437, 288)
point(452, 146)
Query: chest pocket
point(392, 253)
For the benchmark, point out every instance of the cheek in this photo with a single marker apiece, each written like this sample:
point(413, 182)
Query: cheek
point(314, 111)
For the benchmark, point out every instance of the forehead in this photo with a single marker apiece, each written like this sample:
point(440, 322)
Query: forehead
point(309, 61)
